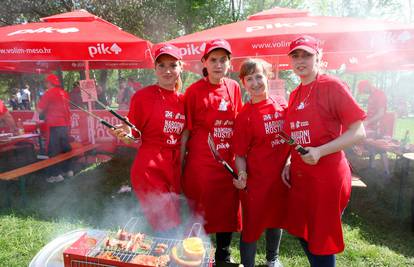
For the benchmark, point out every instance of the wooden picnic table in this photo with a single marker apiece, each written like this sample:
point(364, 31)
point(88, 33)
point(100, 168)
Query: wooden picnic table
point(6, 143)
point(20, 173)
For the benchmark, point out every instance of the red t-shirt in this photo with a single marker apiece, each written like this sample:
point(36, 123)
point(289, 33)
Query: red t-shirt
point(159, 115)
point(376, 101)
point(197, 99)
point(3, 108)
point(257, 126)
point(55, 106)
point(336, 106)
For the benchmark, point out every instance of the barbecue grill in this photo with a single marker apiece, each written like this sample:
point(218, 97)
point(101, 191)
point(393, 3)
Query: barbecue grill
point(85, 251)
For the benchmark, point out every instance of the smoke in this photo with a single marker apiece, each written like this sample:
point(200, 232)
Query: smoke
point(90, 199)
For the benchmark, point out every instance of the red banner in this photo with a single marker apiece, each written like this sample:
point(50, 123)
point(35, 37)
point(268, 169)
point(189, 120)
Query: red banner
point(82, 130)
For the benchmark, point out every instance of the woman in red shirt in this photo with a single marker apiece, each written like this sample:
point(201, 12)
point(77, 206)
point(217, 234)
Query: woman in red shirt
point(324, 118)
point(212, 104)
point(260, 158)
point(158, 112)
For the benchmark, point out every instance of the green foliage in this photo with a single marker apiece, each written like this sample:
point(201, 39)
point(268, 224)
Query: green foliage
point(160, 21)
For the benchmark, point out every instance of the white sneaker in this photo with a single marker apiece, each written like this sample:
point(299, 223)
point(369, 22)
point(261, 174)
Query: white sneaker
point(42, 157)
point(275, 263)
point(70, 173)
point(55, 179)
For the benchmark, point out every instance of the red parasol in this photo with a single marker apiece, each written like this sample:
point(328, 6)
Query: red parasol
point(268, 35)
point(68, 40)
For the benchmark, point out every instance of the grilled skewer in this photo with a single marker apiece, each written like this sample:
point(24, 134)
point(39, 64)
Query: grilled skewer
point(104, 122)
point(113, 112)
point(289, 140)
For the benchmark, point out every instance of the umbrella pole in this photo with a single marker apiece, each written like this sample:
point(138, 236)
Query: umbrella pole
point(91, 128)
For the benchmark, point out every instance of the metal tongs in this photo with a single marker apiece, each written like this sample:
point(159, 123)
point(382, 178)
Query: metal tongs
point(289, 140)
point(218, 157)
point(102, 121)
point(113, 112)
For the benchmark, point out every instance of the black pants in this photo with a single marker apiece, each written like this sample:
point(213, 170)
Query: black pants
point(318, 260)
point(248, 250)
point(59, 143)
point(223, 241)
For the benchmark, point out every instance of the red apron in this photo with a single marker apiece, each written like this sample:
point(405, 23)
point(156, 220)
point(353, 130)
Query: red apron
point(320, 192)
point(155, 174)
point(264, 201)
point(207, 185)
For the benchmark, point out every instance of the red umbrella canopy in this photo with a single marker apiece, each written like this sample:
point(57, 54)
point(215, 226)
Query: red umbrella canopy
point(74, 36)
point(268, 35)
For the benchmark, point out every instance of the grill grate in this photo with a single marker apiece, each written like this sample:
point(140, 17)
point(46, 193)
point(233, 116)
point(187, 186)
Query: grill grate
point(89, 258)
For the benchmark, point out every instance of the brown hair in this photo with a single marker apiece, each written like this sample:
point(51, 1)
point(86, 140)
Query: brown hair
point(250, 65)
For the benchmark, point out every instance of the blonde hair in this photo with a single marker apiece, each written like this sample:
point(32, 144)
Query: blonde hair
point(250, 65)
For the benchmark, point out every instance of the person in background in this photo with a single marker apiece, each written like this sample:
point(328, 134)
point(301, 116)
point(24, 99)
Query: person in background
point(75, 95)
point(19, 99)
point(260, 158)
point(13, 102)
point(376, 109)
point(323, 117)
point(134, 84)
point(158, 112)
point(25, 95)
point(7, 118)
point(124, 94)
point(212, 104)
point(100, 92)
point(54, 105)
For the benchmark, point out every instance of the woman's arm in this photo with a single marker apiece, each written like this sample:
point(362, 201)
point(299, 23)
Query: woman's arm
point(183, 149)
point(241, 182)
point(354, 134)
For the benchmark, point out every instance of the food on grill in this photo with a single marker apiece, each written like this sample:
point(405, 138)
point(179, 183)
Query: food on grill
point(124, 235)
point(193, 248)
point(90, 241)
point(163, 260)
point(149, 260)
point(160, 248)
point(178, 257)
point(127, 241)
point(107, 255)
point(145, 246)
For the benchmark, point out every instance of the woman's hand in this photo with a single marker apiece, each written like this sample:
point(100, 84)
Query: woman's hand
point(122, 132)
point(241, 182)
point(313, 155)
point(286, 175)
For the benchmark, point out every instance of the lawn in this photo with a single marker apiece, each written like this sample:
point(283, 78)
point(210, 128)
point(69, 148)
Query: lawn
point(404, 124)
point(375, 234)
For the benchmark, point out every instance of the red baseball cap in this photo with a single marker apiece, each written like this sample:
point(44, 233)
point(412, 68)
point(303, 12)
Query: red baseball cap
point(168, 49)
point(53, 79)
point(215, 44)
point(305, 42)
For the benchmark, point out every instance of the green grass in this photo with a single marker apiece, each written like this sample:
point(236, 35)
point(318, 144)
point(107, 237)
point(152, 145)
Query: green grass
point(375, 234)
point(404, 124)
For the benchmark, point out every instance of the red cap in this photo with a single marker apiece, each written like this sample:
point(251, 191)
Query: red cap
point(53, 79)
point(363, 86)
point(168, 49)
point(305, 42)
point(215, 44)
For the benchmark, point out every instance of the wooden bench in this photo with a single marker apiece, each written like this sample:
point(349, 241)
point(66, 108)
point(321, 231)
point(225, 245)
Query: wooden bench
point(77, 149)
